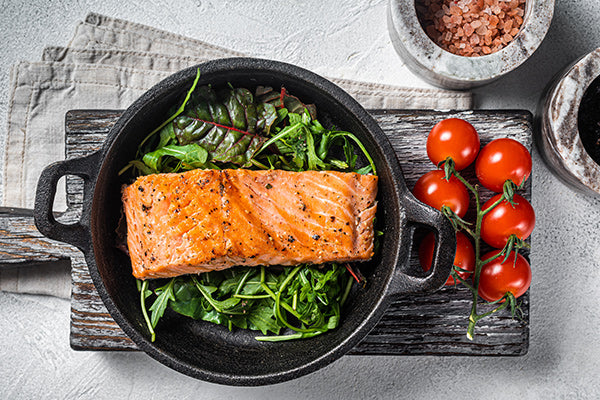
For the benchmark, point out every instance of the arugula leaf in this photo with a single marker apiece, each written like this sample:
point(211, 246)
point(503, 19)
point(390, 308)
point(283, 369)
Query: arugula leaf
point(244, 282)
point(144, 294)
point(313, 161)
point(141, 167)
point(179, 110)
point(349, 153)
point(164, 295)
point(360, 146)
point(219, 306)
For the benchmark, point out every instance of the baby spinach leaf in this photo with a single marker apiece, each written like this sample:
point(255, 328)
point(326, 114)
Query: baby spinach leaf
point(192, 156)
point(188, 299)
point(262, 319)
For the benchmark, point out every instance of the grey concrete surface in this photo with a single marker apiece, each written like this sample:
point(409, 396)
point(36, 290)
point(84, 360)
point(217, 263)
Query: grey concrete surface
point(348, 39)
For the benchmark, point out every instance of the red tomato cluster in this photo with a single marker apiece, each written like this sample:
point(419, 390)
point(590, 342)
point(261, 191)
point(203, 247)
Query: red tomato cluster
point(500, 160)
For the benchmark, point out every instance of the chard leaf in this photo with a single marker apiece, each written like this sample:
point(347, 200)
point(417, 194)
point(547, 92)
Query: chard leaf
point(225, 123)
point(282, 99)
point(191, 156)
point(267, 115)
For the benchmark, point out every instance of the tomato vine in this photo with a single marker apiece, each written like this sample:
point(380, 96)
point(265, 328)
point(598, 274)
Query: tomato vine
point(504, 222)
point(513, 244)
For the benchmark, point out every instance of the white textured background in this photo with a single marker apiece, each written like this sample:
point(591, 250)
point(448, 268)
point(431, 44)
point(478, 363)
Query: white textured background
point(346, 39)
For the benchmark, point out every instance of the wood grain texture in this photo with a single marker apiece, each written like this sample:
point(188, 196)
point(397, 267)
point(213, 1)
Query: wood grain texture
point(21, 242)
point(431, 324)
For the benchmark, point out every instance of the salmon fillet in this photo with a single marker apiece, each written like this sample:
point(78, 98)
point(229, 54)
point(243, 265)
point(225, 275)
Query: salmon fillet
point(204, 220)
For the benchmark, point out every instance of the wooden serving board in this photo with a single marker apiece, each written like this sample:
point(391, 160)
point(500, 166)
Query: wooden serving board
point(431, 324)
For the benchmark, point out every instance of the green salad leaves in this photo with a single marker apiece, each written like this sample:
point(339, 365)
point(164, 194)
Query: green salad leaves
point(234, 128)
point(306, 299)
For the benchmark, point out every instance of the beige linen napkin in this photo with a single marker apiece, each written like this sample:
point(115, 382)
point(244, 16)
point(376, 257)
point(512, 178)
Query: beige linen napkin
point(370, 95)
point(107, 65)
point(42, 93)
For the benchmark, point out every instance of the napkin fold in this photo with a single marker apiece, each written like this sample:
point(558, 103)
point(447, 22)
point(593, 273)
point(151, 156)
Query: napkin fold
point(107, 65)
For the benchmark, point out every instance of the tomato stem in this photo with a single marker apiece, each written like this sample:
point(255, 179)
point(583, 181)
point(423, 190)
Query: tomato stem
point(476, 234)
point(461, 280)
point(514, 243)
point(491, 207)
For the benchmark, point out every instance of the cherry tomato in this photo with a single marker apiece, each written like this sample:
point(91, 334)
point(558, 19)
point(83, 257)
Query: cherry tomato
point(497, 277)
point(500, 160)
point(433, 189)
point(456, 138)
point(464, 258)
point(506, 219)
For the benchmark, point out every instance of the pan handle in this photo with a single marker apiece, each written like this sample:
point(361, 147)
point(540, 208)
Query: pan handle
point(78, 234)
point(419, 214)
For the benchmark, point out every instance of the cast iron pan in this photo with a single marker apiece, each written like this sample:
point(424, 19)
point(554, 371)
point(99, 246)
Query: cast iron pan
point(207, 351)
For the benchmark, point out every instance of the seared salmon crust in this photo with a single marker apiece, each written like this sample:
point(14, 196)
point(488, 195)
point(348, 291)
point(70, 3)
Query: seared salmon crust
point(204, 220)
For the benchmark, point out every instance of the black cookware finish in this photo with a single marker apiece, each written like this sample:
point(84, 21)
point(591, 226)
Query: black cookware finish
point(211, 352)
